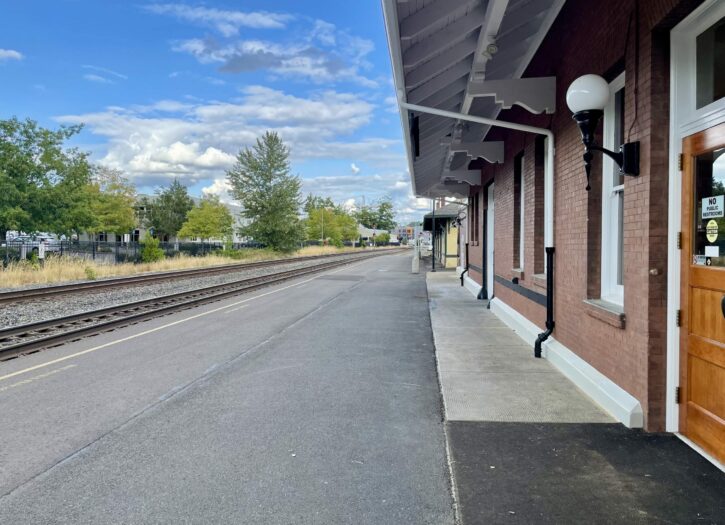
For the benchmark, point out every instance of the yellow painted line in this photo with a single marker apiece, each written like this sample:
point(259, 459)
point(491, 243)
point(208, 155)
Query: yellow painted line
point(36, 378)
point(162, 327)
point(236, 309)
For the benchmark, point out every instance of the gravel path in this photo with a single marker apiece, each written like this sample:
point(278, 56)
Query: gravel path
point(32, 311)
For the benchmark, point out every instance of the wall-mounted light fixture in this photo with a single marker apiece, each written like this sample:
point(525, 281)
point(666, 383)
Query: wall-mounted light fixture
point(587, 97)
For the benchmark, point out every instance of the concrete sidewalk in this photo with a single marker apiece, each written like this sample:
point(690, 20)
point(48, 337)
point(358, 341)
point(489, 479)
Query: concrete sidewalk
point(527, 446)
point(488, 373)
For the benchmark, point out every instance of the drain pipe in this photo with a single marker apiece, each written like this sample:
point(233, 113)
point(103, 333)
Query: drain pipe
point(543, 336)
point(548, 193)
point(466, 269)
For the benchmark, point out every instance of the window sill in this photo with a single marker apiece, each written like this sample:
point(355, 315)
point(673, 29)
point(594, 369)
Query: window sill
point(517, 273)
point(610, 313)
point(540, 280)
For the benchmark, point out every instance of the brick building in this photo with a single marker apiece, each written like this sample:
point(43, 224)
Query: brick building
point(622, 284)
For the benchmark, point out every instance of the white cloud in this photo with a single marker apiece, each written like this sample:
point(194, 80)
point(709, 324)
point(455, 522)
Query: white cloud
point(355, 170)
point(324, 32)
point(219, 188)
point(163, 106)
point(197, 141)
point(327, 55)
point(391, 104)
point(107, 72)
point(92, 77)
point(10, 54)
point(226, 22)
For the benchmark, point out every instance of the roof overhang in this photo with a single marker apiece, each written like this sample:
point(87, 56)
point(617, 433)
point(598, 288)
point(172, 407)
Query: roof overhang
point(462, 56)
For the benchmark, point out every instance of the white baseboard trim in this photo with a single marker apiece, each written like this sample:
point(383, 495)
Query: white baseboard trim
point(471, 285)
point(459, 271)
point(611, 397)
point(525, 329)
point(701, 451)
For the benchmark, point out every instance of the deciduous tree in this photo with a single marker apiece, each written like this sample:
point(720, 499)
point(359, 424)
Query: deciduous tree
point(381, 215)
point(42, 184)
point(112, 202)
point(210, 220)
point(167, 212)
point(270, 195)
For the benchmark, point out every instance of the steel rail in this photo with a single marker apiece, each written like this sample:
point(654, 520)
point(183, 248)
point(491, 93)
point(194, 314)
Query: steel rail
point(63, 289)
point(30, 338)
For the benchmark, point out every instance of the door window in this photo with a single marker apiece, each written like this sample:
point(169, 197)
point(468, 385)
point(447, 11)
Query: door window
point(711, 64)
point(709, 206)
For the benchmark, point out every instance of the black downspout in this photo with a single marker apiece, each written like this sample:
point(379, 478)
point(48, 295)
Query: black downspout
point(433, 236)
point(543, 336)
point(464, 271)
point(483, 294)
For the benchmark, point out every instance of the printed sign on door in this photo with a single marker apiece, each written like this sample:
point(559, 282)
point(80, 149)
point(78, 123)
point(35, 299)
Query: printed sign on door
point(713, 207)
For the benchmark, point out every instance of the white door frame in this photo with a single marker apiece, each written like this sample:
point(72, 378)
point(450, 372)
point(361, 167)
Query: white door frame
point(490, 243)
point(685, 120)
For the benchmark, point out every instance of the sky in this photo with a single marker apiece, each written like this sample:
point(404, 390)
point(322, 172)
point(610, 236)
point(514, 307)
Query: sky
point(176, 90)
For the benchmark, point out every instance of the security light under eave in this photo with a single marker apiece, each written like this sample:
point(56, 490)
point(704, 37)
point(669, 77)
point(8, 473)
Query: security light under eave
point(587, 97)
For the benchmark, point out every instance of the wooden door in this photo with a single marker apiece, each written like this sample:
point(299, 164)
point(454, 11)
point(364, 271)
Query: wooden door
point(702, 333)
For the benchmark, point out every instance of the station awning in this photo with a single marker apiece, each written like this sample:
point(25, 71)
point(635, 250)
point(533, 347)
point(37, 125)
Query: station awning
point(462, 56)
point(449, 211)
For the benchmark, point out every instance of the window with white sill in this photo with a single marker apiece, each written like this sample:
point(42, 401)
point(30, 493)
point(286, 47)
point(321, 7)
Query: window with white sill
point(613, 198)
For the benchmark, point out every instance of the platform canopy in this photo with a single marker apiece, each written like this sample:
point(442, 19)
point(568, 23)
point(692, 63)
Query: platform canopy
point(452, 210)
point(463, 56)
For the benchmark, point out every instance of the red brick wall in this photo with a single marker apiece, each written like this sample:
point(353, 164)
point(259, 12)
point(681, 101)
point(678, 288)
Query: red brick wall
point(590, 37)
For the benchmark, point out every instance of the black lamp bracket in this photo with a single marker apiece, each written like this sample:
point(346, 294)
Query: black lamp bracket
point(627, 158)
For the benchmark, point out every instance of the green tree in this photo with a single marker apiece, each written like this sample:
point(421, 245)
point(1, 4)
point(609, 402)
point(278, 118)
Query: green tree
point(348, 227)
point(210, 220)
point(151, 251)
point(382, 238)
point(367, 216)
point(270, 195)
point(42, 184)
point(322, 223)
point(112, 202)
point(314, 202)
point(167, 212)
point(381, 215)
point(338, 225)
point(385, 214)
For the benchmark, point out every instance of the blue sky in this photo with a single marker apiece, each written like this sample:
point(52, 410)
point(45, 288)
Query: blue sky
point(176, 89)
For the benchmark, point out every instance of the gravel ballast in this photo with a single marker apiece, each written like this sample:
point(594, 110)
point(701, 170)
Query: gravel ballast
point(25, 312)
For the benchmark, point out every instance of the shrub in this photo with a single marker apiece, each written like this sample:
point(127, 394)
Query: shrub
point(151, 251)
point(90, 273)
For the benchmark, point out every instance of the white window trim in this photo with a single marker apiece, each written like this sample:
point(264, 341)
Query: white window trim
point(522, 214)
point(684, 120)
point(611, 291)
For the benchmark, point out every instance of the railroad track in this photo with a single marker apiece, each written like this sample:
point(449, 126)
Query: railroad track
point(91, 286)
point(31, 338)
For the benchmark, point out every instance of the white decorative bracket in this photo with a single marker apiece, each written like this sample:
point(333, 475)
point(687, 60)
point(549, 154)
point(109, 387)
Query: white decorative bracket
point(449, 189)
point(536, 95)
point(492, 152)
point(471, 177)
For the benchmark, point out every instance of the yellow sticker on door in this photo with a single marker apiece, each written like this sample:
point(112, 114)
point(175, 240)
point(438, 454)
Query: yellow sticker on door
point(711, 230)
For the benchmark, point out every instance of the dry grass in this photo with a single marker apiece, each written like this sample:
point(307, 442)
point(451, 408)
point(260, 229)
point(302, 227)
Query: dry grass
point(58, 270)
